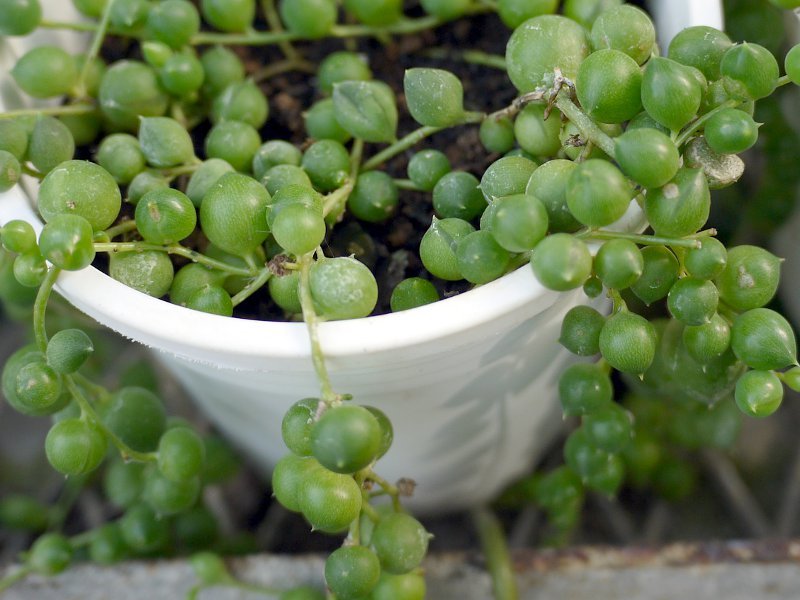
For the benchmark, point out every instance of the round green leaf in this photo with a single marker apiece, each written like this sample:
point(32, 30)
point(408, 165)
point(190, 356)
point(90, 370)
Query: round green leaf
point(366, 109)
point(435, 97)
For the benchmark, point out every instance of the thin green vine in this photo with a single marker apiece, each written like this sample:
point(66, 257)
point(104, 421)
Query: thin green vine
point(495, 551)
point(413, 138)
point(178, 250)
point(40, 308)
point(329, 397)
point(94, 49)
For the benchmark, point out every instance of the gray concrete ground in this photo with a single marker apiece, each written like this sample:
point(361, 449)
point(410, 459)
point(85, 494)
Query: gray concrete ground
point(730, 571)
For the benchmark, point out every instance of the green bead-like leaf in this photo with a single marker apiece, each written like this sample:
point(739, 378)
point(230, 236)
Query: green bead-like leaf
point(68, 349)
point(540, 45)
point(165, 142)
point(435, 97)
point(682, 206)
point(763, 339)
point(366, 109)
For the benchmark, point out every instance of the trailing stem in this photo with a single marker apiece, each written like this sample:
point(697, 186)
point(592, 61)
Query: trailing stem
point(495, 551)
point(118, 229)
point(274, 22)
point(335, 202)
point(94, 49)
point(263, 38)
point(684, 136)
point(40, 333)
point(40, 308)
point(387, 488)
point(474, 57)
point(311, 319)
point(283, 66)
point(692, 241)
point(87, 410)
point(585, 125)
point(12, 578)
point(252, 286)
point(73, 109)
point(414, 138)
point(177, 249)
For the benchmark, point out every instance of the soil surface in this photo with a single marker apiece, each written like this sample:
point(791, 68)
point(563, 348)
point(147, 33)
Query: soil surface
point(390, 249)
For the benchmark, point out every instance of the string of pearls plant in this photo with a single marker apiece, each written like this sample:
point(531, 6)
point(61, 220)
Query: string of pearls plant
point(191, 203)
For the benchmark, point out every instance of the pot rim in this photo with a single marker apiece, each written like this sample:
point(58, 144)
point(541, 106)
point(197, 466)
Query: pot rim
point(190, 333)
point(173, 327)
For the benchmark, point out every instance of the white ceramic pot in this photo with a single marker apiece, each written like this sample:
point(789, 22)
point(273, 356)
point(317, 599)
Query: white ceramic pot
point(469, 382)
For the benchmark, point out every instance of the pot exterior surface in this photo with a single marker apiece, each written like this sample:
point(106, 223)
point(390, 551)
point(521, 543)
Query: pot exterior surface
point(469, 382)
point(466, 422)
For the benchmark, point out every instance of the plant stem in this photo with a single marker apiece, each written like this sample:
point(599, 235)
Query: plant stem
point(403, 26)
point(177, 113)
point(388, 488)
point(585, 125)
point(370, 511)
point(356, 155)
point(73, 109)
point(275, 24)
point(646, 240)
point(194, 591)
point(408, 185)
point(538, 95)
point(119, 229)
point(474, 57)
point(176, 249)
point(619, 303)
point(495, 551)
point(283, 66)
point(253, 286)
point(782, 81)
point(82, 539)
point(125, 451)
point(255, 588)
point(66, 501)
point(727, 312)
point(94, 49)
point(414, 138)
point(737, 494)
point(400, 27)
point(277, 36)
point(47, 24)
point(12, 578)
point(336, 201)
point(90, 386)
point(32, 172)
point(252, 38)
point(692, 128)
point(354, 531)
point(517, 261)
point(312, 322)
point(174, 172)
point(40, 308)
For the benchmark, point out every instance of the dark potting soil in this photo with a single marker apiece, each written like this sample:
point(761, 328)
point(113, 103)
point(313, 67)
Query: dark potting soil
point(390, 249)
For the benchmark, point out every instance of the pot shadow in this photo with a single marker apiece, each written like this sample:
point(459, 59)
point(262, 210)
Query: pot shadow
point(510, 398)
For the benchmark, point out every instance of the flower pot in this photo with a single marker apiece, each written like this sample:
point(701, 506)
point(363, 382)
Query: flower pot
point(468, 382)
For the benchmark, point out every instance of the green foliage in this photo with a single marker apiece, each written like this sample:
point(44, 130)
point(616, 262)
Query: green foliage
point(366, 109)
point(204, 165)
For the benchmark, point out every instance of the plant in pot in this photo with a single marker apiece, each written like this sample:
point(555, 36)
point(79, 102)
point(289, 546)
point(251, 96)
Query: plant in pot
point(602, 137)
